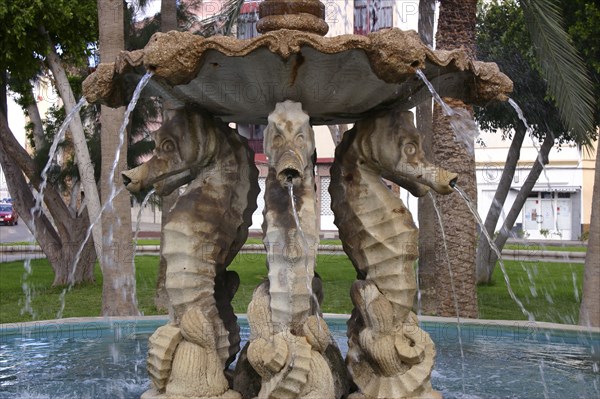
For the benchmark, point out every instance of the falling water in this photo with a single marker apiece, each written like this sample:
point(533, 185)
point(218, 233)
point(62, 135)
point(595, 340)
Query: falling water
point(496, 251)
point(454, 296)
point(450, 112)
point(51, 154)
point(80, 250)
point(521, 116)
point(60, 135)
point(113, 190)
point(445, 107)
point(575, 289)
point(419, 306)
point(541, 366)
point(27, 290)
point(39, 201)
point(462, 123)
point(535, 144)
point(139, 220)
point(130, 107)
point(313, 297)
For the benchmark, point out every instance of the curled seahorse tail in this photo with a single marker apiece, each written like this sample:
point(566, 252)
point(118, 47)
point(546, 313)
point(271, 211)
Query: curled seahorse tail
point(190, 281)
point(162, 345)
point(291, 382)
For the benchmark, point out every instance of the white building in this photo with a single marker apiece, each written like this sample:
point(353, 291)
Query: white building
point(559, 206)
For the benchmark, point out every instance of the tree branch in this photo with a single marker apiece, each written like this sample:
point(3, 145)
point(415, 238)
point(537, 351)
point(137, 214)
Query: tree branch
point(526, 189)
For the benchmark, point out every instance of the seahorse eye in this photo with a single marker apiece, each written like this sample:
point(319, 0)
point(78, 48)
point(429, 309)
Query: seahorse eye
point(278, 140)
point(410, 149)
point(167, 145)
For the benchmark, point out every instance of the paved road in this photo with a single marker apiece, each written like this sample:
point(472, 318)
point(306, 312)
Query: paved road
point(16, 233)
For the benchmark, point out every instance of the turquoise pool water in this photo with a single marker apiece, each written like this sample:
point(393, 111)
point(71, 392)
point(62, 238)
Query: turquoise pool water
point(107, 360)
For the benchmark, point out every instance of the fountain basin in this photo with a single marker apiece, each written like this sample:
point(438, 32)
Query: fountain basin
point(102, 358)
point(337, 79)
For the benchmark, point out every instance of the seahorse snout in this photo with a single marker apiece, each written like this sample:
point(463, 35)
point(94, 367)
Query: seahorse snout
point(443, 181)
point(290, 168)
point(133, 178)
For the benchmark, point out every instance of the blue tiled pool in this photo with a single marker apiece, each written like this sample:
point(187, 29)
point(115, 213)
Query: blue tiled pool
point(107, 360)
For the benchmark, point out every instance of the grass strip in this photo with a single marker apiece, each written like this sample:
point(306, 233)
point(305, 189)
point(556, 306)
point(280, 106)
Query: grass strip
point(552, 291)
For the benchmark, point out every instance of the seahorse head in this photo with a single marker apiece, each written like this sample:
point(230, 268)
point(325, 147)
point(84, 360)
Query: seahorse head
point(184, 144)
point(390, 143)
point(289, 142)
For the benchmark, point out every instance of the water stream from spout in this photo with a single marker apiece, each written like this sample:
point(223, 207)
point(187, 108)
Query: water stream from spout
point(139, 221)
point(305, 248)
point(452, 286)
point(113, 188)
point(471, 207)
point(419, 306)
point(27, 289)
point(543, 379)
point(445, 107)
point(122, 134)
point(461, 121)
point(60, 135)
point(39, 202)
point(539, 159)
point(88, 234)
point(521, 116)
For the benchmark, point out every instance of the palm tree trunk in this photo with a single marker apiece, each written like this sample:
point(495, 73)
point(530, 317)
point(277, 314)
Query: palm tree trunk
point(484, 250)
point(168, 15)
point(456, 28)
point(427, 219)
point(455, 267)
point(589, 312)
point(119, 296)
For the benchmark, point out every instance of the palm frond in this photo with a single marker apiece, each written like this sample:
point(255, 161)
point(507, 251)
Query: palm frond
point(223, 22)
point(562, 67)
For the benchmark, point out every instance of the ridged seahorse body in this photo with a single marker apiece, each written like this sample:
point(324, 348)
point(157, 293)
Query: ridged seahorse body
point(389, 356)
point(290, 347)
point(204, 231)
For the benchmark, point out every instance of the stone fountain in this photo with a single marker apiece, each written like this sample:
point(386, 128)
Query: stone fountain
point(289, 78)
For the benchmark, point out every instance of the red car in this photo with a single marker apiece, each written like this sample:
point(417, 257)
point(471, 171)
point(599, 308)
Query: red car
point(8, 215)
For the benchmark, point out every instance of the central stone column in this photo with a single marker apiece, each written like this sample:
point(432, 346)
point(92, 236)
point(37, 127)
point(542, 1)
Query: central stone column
point(304, 15)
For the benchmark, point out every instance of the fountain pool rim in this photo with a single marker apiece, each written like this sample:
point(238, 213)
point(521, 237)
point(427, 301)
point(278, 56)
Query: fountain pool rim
point(85, 323)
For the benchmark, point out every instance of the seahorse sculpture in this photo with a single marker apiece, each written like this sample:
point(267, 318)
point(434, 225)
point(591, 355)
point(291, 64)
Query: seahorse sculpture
point(290, 346)
point(205, 229)
point(389, 356)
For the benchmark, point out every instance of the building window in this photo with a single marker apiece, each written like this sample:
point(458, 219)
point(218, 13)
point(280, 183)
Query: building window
point(372, 15)
point(254, 134)
point(247, 19)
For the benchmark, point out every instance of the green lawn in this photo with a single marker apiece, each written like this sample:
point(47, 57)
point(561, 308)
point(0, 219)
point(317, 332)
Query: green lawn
point(528, 247)
point(545, 289)
point(551, 291)
point(535, 247)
